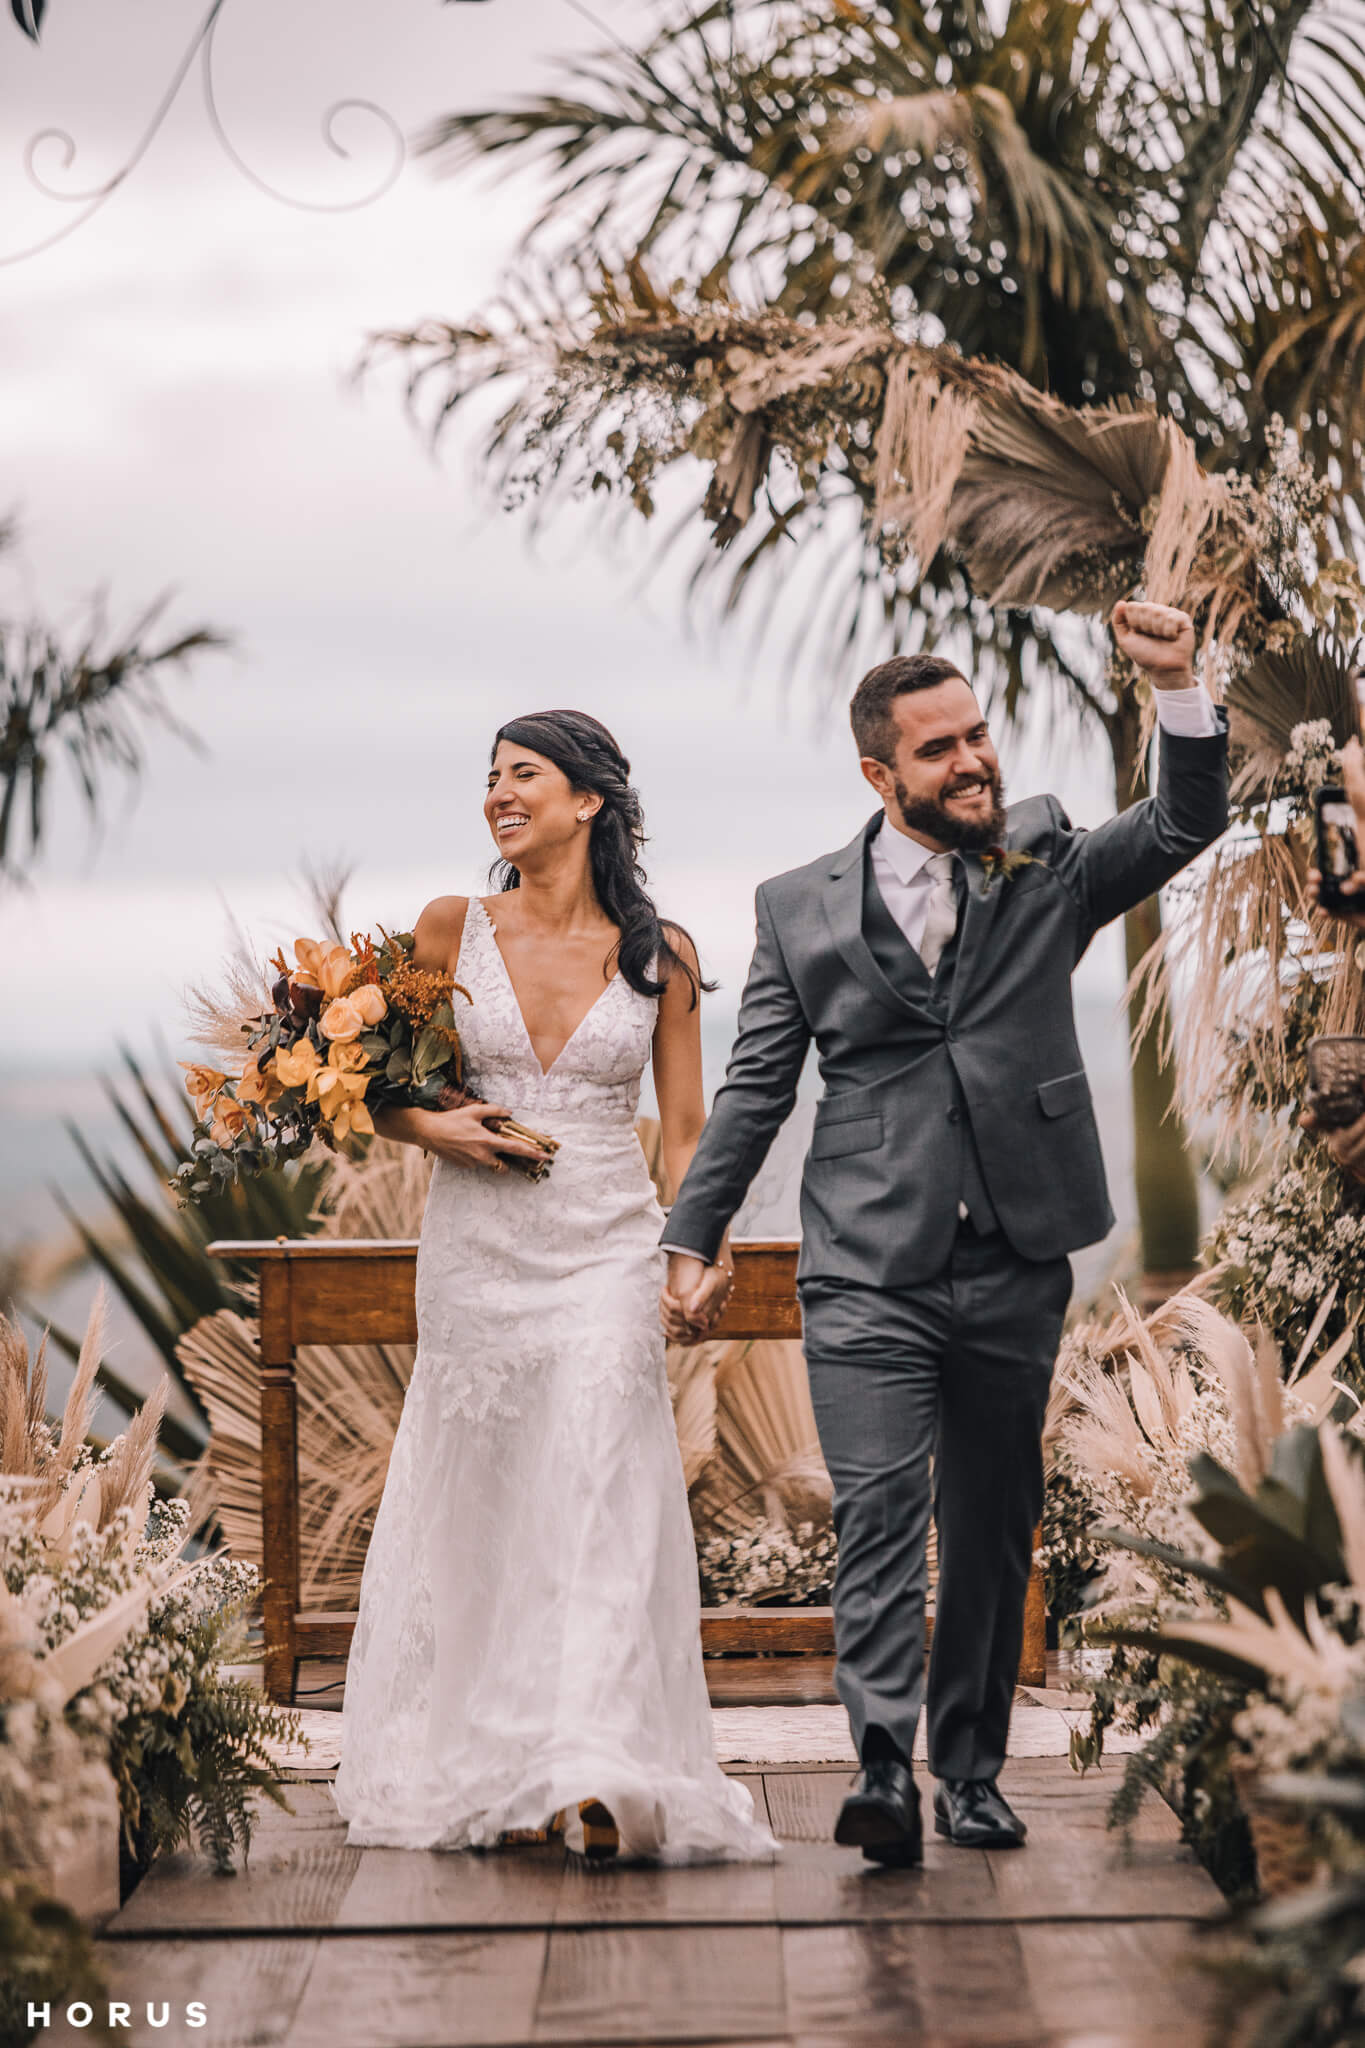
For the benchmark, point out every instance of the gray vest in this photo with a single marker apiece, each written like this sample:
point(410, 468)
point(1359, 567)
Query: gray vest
point(903, 967)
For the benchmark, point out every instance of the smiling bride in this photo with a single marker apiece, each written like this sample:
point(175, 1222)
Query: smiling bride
point(527, 1651)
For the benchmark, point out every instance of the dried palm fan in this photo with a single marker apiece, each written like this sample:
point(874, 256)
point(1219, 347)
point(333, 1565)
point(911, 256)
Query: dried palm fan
point(1310, 679)
point(382, 1197)
point(1055, 505)
point(692, 1370)
point(349, 1404)
point(1121, 1391)
point(767, 1462)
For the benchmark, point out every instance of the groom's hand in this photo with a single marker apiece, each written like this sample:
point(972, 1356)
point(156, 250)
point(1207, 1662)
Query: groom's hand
point(1159, 639)
point(682, 1305)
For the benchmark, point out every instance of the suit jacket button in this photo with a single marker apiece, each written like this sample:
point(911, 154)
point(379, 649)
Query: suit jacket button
point(955, 1116)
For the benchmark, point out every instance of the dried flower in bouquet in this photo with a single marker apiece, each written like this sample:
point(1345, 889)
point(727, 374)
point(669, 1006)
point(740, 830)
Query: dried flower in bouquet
point(352, 1028)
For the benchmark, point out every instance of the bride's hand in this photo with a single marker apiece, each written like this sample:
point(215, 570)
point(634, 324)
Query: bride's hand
point(692, 1306)
point(459, 1136)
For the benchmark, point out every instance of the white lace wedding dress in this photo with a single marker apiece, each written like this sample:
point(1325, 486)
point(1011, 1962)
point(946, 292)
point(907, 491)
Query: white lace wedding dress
point(528, 1627)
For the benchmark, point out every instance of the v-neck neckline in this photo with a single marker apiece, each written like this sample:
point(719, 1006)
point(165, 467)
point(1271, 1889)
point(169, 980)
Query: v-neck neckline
point(545, 1072)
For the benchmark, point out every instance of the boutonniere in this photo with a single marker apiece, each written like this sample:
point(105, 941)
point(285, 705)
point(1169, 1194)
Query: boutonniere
point(1005, 862)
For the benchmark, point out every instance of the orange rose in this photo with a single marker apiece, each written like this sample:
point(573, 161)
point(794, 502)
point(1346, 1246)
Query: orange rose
point(341, 1019)
point(202, 1083)
point(294, 1064)
point(259, 1084)
point(230, 1122)
point(369, 1000)
point(345, 1056)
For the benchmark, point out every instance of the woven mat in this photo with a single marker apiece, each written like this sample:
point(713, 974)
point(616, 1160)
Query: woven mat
point(765, 1735)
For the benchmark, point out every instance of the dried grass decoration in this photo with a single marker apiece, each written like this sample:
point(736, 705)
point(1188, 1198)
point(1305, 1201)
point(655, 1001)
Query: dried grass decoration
point(352, 1029)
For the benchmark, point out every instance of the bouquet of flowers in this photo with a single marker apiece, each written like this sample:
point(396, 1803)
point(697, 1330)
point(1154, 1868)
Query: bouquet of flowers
point(352, 1029)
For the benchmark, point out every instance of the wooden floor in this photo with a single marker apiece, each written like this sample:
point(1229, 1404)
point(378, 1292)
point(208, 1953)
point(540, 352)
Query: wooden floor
point(319, 1945)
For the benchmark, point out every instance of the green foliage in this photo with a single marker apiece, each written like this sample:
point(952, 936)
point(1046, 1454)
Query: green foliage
point(1070, 1551)
point(189, 1768)
point(1189, 1715)
point(86, 702)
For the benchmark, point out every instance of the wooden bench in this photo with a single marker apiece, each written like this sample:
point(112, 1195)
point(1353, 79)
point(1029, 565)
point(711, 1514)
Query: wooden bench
point(362, 1291)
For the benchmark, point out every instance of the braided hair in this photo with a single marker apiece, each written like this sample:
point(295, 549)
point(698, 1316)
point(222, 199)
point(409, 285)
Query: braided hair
point(585, 752)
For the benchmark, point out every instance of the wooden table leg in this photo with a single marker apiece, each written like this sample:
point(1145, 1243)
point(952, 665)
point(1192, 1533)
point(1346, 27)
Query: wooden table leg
point(1033, 1656)
point(279, 1485)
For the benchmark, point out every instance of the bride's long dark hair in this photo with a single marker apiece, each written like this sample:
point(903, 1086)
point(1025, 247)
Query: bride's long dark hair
point(584, 751)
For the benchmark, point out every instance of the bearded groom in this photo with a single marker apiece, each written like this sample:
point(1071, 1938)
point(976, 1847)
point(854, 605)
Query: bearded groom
point(953, 1165)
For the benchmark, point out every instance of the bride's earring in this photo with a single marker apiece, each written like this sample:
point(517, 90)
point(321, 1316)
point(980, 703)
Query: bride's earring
point(583, 817)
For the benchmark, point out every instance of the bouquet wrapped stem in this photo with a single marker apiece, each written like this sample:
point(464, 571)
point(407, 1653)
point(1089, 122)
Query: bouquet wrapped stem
point(506, 1126)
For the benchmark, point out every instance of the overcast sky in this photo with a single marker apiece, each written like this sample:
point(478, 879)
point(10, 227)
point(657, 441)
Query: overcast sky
point(176, 413)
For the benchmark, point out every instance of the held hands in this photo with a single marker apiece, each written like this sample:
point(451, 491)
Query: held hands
point(692, 1301)
point(1159, 639)
point(459, 1135)
point(1353, 779)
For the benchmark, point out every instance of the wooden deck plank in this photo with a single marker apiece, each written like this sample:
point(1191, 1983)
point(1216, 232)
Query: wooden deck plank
point(716, 1893)
point(422, 1991)
point(296, 1888)
point(662, 1984)
point(909, 1984)
point(252, 1988)
point(1093, 1980)
point(470, 1889)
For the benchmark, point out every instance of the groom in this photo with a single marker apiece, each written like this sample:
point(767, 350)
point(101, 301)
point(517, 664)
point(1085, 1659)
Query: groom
point(953, 1165)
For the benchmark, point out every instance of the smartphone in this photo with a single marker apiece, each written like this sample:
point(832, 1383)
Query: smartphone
point(1338, 854)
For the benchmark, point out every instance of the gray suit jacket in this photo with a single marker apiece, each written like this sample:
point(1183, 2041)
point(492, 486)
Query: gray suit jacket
point(901, 1065)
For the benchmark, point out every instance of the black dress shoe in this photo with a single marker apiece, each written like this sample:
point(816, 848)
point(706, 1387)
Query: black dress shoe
point(881, 1814)
point(973, 1815)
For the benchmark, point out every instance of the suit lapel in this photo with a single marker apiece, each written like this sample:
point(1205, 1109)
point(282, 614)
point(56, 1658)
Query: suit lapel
point(843, 901)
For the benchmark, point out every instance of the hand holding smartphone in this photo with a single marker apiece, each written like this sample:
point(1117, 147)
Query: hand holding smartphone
point(1338, 847)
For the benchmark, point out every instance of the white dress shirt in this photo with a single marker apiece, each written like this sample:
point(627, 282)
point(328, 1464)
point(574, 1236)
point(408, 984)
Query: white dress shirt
point(898, 861)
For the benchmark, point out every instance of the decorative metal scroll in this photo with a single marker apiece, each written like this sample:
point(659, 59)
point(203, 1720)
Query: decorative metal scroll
point(29, 16)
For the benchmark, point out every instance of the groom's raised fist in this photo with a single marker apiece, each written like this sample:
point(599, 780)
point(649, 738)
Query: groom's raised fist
point(1159, 639)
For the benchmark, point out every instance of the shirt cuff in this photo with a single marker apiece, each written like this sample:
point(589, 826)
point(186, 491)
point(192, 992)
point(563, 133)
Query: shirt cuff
point(1189, 713)
point(687, 1251)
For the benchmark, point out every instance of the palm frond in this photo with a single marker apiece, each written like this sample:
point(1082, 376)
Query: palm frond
point(86, 702)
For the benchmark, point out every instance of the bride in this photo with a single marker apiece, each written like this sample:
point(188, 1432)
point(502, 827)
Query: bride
point(528, 1640)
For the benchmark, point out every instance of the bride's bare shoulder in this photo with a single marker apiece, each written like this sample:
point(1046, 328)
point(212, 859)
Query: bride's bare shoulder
point(438, 931)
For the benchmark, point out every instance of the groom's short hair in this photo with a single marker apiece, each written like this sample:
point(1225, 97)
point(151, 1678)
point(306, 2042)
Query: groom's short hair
point(870, 711)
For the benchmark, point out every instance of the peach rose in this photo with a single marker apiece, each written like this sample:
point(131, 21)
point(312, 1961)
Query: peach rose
point(202, 1083)
point(369, 1000)
point(341, 1019)
point(294, 1064)
point(345, 1056)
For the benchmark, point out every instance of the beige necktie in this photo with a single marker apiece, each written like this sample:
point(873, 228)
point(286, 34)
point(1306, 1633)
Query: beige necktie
point(941, 922)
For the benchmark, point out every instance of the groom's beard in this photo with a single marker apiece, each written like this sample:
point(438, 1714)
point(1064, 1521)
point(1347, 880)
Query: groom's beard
point(926, 814)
